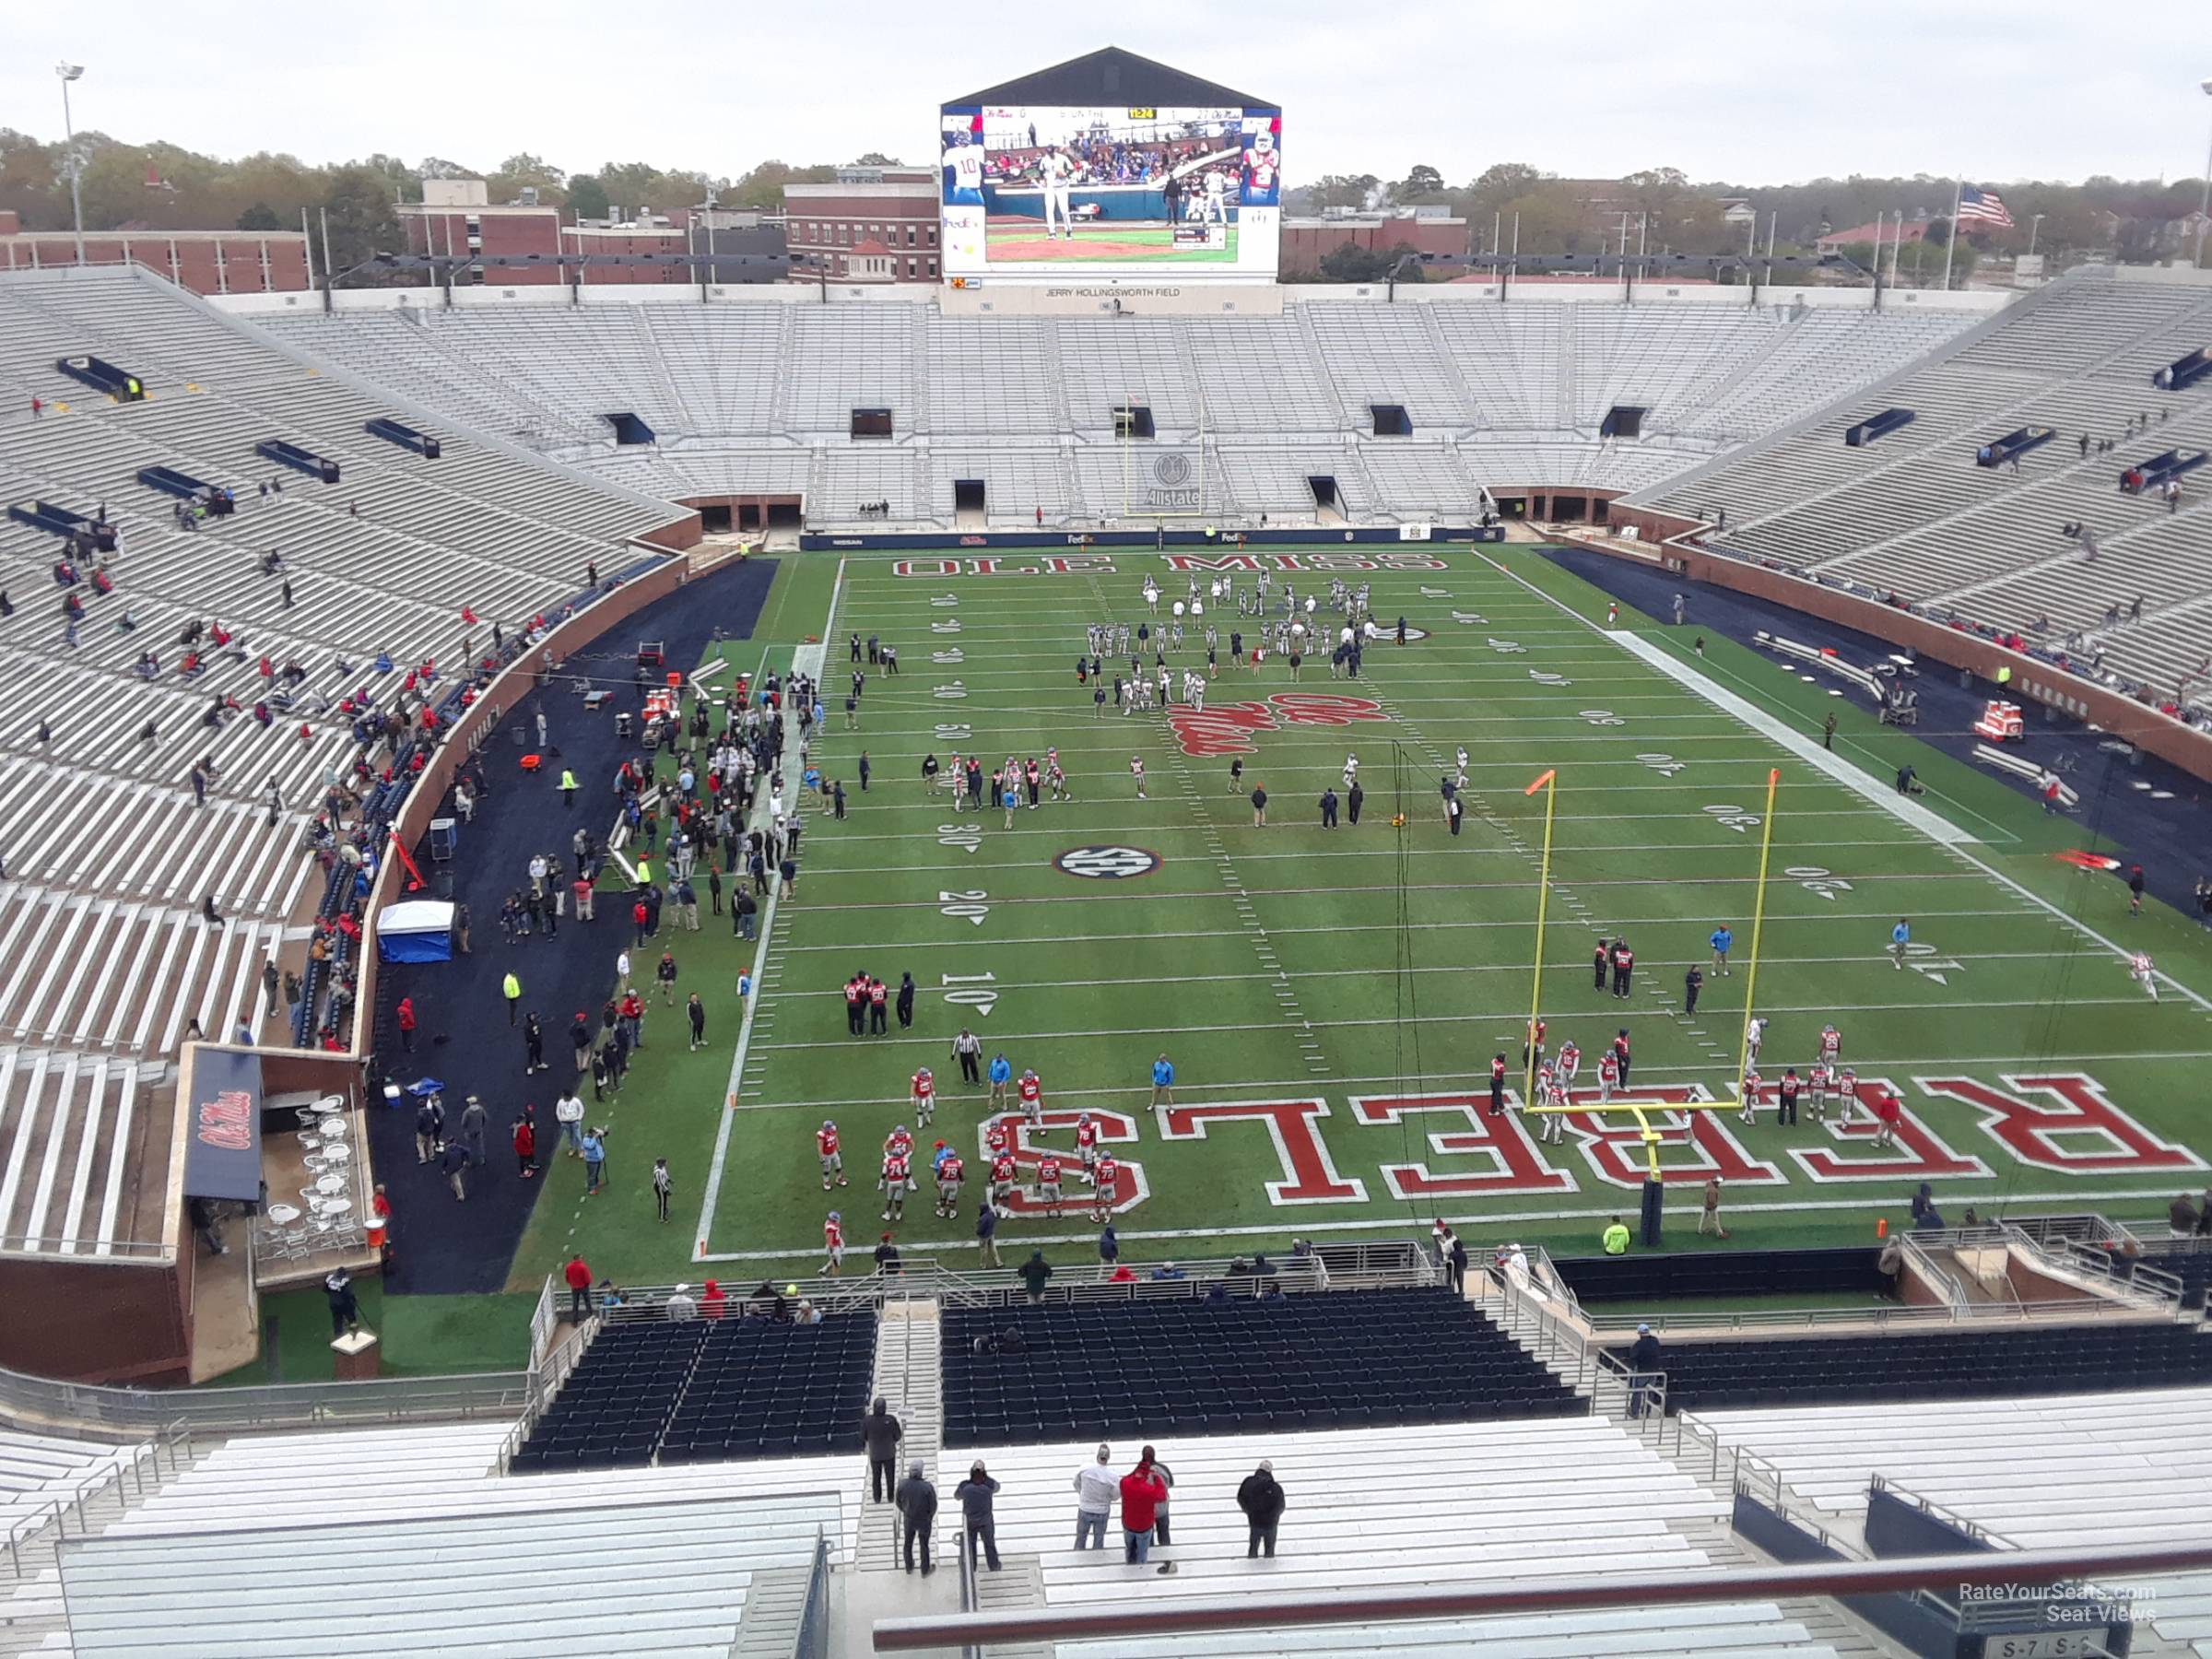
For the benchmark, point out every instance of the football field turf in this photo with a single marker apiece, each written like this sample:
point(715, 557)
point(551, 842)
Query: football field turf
point(1331, 999)
point(1106, 240)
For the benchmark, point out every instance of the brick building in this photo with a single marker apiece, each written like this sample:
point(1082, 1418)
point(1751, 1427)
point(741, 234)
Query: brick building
point(897, 206)
point(1307, 242)
point(456, 218)
point(207, 262)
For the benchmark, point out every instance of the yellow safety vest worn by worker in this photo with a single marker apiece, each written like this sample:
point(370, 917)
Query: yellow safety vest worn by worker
point(515, 990)
point(1617, 1239)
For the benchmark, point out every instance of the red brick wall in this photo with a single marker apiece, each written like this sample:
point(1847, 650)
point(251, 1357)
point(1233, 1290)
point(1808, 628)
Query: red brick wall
point(1305, 246)
point(190, 259)
point(89, 1321)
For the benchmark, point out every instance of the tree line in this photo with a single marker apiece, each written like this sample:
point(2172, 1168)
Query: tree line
point(2135, 221)
point(165, 186)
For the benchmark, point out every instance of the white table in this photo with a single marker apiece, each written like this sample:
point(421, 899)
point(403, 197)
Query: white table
point(330, 1186)
point(284, 1215)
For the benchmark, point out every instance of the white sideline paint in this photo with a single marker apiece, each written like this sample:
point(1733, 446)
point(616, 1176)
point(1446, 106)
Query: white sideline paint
point(810, 660)
point(1933, 825)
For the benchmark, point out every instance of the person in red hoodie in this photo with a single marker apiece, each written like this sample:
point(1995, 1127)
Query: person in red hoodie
point(1142, 1491)
point(407, 1023)
point(579, 1289)
point(525, 1146)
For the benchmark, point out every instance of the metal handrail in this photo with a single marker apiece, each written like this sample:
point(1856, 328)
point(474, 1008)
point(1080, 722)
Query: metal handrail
point(142, 1465)
point(546, 1379)
point(1587, 1588)
point(811, 1641)
point(39, 1404)
point(919, 1279)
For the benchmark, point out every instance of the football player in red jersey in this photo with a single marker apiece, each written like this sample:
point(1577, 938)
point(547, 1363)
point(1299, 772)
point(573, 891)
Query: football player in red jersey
point(1004, 1171)
point(833, 1160)
point(1496, 1085)
point(1608, 1077)
point(833, 1242)
point(1047, 1183)
point(924, 1097)
point(1086, 1142)
point(950, 1174)
point(1032, 1102)
point(1106, 1177)
point(897, 1179)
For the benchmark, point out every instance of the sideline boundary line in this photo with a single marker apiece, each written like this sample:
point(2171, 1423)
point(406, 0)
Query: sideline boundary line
point(1939, 829)
point(710, 1194)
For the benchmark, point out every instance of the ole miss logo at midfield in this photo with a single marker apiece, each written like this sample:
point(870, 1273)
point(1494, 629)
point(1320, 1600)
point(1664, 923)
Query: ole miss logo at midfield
point(1226, 728)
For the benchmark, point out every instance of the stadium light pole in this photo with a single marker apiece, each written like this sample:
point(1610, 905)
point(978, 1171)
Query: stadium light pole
point(2034, 225)
point(69, 72)
point(2204, 200)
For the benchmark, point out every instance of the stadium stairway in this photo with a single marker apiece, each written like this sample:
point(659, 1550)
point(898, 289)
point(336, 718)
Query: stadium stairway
point(910, 1380)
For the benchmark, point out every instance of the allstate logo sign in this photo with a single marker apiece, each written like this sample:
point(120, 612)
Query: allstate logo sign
point(1107, 863)
point(1170, 482)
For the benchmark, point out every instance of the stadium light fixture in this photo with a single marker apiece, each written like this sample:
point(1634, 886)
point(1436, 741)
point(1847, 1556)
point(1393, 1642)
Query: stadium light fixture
point(70, 72)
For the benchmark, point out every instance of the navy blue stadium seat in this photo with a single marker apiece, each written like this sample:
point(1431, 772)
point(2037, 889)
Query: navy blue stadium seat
point(1349, 1359)
point(707, 1390)
point(1947, 1365)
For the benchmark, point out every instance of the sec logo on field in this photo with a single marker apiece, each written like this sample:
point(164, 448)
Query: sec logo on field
point(1107, 863)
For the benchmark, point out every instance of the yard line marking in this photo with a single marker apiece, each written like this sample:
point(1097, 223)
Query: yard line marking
point(1616, 1013)
point(1690, 1204)
point(1432, 1080)
point(1934, 825)
point(712, 1194)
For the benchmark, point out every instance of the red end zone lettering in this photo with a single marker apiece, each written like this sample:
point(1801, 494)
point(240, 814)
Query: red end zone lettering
point(1113, 1130)
point(1508, 1161)
point(1226, 728)
point(1918, 1153)
point(1616, 1155)
point(1309, 1174)
point(926, 567)
point(2076, 1108)
point(1222, 730)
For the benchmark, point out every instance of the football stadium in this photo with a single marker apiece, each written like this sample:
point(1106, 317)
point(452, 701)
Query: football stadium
point(1515, 966)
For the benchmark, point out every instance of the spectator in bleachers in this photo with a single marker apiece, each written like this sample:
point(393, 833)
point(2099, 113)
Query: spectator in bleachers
point(1261, 1499)
point(881, 1432)
point(1142, 1493)
point(1095, 1487)
point(1033, 1273)
point(975, 1494)
point(917, 1503)
point(1646, 1359)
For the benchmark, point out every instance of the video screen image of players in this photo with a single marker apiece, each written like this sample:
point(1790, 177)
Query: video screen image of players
point(1106, 187)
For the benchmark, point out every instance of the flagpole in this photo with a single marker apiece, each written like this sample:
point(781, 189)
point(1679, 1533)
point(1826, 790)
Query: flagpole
point(1549, 785)
point(1759, 921)
point(1951, 241)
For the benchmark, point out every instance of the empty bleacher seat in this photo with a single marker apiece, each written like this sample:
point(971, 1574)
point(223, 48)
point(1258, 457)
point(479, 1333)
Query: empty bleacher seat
point(1350, 1359)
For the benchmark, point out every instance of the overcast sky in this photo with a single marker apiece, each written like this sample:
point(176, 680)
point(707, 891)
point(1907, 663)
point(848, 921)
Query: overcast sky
point(1750, 92)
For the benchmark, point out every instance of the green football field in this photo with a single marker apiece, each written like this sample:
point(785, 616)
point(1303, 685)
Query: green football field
point(1103, 242)
point(1331, 999)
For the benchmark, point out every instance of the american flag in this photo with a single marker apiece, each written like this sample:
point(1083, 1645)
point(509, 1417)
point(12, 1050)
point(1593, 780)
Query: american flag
point(1983, 206)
